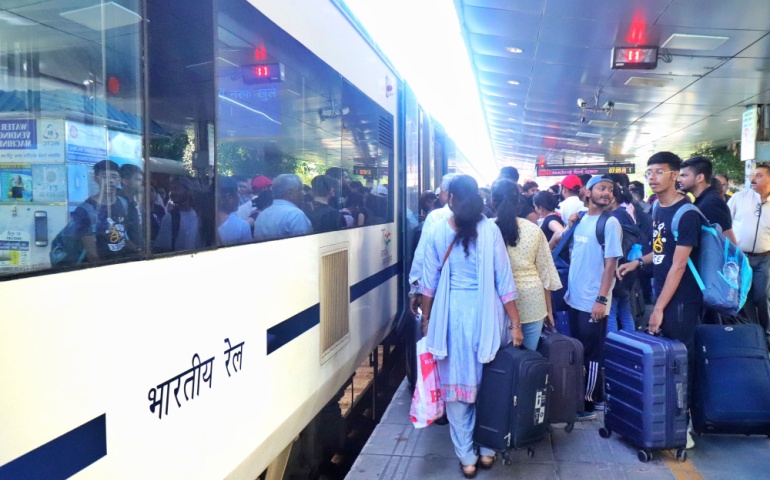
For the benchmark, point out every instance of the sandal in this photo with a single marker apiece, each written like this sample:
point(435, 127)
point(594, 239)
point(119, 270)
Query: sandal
point(467, 473)
point(486, 462)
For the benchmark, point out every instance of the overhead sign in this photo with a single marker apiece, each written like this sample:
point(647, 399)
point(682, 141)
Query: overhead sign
point(370, 171)
point(597, 169)
point(749, 134)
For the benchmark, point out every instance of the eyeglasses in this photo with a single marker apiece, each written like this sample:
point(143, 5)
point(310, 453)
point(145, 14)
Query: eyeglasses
point(656, 173)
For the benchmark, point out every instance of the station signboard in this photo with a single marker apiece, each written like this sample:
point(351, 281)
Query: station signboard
point(593, 169)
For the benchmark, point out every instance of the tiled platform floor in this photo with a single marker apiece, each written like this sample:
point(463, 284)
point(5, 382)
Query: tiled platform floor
point(396, 450)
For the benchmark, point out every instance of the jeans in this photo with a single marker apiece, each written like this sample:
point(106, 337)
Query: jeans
point(531, 332)
point(620, 312)
point(462, 420)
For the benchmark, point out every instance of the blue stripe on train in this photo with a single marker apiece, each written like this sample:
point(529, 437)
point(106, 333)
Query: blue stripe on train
point(64, 456)
point(291, 328)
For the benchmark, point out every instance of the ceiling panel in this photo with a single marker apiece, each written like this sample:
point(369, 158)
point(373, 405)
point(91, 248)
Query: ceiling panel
point(566, 56)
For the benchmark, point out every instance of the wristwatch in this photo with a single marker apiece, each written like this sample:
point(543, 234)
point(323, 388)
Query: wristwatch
point(601, 299)
point(641, 263)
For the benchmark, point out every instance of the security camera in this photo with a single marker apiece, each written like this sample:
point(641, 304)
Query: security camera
point(581, 103)
point(610, 104)
point(582, 119)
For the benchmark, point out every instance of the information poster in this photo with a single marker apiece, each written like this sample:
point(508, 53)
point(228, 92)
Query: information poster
point(86, 143)
point(14, 251)
point(125, 148)
point(16, 183)
point(39, 140)
point(49, 183)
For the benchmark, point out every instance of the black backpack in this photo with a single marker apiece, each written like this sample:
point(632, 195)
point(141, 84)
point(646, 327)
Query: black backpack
point(632, 235)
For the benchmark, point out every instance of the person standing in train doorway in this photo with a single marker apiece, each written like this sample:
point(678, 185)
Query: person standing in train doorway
point(752, 230)
point(589, 286)
point(678, 308)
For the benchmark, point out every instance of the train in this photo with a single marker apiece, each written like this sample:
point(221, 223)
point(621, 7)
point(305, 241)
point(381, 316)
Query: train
point(206, 359)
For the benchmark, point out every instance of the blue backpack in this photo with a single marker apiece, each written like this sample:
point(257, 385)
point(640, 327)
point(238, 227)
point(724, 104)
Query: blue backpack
point(721, 269)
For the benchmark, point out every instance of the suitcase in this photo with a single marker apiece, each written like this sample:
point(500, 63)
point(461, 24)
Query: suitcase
point(731, 388)
point(646, 392)
point(512, 399)
point(567, 383)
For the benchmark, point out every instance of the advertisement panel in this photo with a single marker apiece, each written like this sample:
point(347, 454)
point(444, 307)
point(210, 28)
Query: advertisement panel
point(31, 140)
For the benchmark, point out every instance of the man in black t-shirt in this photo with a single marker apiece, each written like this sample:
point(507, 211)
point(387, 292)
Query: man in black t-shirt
point(107, 223)
point(678, 307)
point(695, 178)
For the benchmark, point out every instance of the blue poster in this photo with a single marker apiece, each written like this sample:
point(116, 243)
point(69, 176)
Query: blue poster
point(18, 134)
point(16, 184)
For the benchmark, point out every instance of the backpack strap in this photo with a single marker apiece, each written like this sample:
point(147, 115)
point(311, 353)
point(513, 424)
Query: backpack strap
point(566, 237)
point(688, 207)
point(601, 223)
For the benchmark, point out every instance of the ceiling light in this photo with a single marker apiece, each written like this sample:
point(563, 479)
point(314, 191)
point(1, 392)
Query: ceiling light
point(602, 123)
point(513, 82)
point(733, 119)
point(682, 41)
point(511, 119)
point(586, 134)
point(513, 50)
point(513, 104)
point(648, 81)
point(103, 17)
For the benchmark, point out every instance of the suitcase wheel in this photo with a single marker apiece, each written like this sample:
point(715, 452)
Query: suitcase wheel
point(530, 452)
point(681, 454)
point(568, 428)
point(644, 456)
point(605, 432)
point(507, 458)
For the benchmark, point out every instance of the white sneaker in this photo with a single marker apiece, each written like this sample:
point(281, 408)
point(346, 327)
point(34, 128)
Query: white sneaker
point(690, 441)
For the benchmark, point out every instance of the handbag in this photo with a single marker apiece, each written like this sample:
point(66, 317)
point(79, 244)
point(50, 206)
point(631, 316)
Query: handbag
point(427, 401)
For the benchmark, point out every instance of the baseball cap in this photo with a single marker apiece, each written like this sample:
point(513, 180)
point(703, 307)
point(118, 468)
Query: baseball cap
point(261, 182)
point(380, 191)
point(597, 179)
point(571, 182)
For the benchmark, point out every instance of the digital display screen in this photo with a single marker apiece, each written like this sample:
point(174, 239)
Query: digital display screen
point(370, 171)
point(263, 73)
point(645, 58)
point(560, 171)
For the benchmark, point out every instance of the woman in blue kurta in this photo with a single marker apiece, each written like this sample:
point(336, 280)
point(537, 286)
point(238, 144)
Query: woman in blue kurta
point(468, 309)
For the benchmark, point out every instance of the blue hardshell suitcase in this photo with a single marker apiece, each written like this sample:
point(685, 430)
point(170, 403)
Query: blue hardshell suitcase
point(512, 399)
point(732, 380)
point(646, 392)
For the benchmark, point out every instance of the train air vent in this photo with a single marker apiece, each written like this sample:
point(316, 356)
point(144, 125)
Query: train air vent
point(386, 131)
point(335, 300)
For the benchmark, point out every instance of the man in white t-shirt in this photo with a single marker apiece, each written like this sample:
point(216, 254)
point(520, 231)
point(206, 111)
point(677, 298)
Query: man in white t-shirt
point(570, 192)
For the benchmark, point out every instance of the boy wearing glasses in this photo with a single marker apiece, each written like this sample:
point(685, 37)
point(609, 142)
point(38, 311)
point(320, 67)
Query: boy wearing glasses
point(751, 223)
point(678, 307)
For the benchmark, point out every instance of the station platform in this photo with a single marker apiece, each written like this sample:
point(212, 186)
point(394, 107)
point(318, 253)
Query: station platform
point(396, 450)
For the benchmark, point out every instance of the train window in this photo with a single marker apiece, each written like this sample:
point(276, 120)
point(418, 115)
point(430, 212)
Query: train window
point(71, 134)
point(303, 143)
point(181, 111)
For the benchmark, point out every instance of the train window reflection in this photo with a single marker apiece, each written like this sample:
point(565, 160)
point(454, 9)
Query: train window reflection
point(70, 127)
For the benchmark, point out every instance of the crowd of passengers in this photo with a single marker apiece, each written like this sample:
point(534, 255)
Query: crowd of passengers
point(483, 273)
point(110, 223)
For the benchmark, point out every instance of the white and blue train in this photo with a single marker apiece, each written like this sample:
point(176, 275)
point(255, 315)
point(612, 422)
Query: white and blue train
point(206, 359)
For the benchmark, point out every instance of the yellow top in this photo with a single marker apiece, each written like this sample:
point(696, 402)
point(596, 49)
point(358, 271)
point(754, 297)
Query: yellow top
point(533, 271)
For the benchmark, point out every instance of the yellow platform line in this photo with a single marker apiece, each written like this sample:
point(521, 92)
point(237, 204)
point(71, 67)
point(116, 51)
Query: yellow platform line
point(681, 470)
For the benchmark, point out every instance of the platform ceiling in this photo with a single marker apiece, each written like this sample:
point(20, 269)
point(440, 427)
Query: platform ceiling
point(696, 95)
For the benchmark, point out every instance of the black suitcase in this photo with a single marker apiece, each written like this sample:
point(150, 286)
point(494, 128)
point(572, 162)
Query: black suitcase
point(646, 392)
point(511, 403)
point(732, 380)
point(567, 384)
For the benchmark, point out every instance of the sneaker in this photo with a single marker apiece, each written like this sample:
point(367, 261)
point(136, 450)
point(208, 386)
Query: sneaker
point(690, 441)
point(599, 406)
point(585, 416)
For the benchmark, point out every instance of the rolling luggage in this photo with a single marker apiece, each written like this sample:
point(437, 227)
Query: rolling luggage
point(646, 392)
point(732, 380)
point(566, 397)
point(512, 399)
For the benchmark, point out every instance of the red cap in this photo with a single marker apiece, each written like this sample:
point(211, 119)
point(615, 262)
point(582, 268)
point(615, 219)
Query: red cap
point(572, 182)
point(261, 182)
